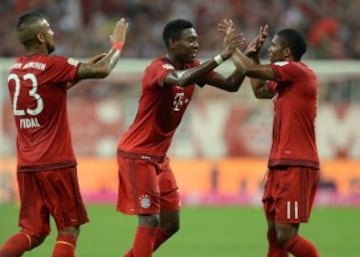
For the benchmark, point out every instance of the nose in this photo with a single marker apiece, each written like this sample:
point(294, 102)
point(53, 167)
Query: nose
point(196, 44)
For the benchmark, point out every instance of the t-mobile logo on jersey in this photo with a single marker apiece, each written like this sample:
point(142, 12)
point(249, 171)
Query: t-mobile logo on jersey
point(178, 101)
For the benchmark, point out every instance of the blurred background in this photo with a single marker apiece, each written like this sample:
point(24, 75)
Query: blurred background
point(219, 151)
point(81, 26)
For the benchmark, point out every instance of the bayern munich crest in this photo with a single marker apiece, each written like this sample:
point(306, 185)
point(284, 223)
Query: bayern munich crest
point(145, 201)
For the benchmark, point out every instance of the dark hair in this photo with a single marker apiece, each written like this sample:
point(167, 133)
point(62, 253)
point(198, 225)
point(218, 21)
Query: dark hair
point(28, 18)
point(27, 28)
point(173, 30)
point(294, 40)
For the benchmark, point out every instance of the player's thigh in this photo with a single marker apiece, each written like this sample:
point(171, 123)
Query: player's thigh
point(138, 189)
point(34, 216)
point(169, 190)
point(269, 196)
point(63, 197)
point(294, 193)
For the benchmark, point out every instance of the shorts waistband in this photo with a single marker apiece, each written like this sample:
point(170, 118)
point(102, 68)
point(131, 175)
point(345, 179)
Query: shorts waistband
point(138, 156)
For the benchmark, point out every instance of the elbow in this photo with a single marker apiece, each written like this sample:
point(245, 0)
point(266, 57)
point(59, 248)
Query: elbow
point(183, 82)
point(247, 72)
point(258, 96)
point(261, 95)
point(234, 85)
point(233, 89)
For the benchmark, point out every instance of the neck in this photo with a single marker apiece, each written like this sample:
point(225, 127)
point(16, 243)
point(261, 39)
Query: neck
point(36, 50)
point(176, 63)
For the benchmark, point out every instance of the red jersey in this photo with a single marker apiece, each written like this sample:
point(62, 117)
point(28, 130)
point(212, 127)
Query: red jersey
point(37, 86)
point(159, 113)
point(295, 106)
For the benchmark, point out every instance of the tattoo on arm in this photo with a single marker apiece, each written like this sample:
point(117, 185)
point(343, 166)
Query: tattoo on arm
point(85, 71)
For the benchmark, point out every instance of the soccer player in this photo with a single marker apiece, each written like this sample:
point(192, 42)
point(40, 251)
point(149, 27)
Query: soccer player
point(293, 165)
point(46, 165)
point(147, 186)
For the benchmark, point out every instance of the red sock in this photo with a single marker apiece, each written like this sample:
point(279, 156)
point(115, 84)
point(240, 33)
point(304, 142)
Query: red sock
point(65, 246)
point(275, 249)
point(300, 247)
point(144, 241)
point(161, 237)
point(16, 245)
point(129, 253)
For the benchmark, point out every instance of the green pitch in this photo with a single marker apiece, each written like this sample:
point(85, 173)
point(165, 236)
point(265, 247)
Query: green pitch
point(205, 231)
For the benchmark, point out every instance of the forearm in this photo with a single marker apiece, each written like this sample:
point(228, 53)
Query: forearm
point(234, 81)
point(193, 75)
point(103, 67)
point(251, 68)
point(244, 63)
point(258, 73)
point(111, 59)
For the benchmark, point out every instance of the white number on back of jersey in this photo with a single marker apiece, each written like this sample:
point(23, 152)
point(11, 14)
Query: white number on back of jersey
point(33, 93)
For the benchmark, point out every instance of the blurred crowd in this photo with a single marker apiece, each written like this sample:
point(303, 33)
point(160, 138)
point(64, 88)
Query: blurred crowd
point(332, 27)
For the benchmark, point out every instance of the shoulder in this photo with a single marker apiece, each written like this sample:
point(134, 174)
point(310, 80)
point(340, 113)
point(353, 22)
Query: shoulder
point(306, 68)
point(288, 67)
point(157, 64)
point(162, 62)
point(282, 64)
point(63, 59)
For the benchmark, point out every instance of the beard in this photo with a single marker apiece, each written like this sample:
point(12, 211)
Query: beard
point(50, 48)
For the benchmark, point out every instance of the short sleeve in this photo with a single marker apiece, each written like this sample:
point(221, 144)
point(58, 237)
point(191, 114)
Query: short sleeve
point(284, 71)
point(155, 73)
point(271, 85)
point(61, 70)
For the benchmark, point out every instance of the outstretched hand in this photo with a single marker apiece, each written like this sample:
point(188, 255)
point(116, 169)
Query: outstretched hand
point(232, 40)
point(254, 46)
point(96, 58)
point(119, 32)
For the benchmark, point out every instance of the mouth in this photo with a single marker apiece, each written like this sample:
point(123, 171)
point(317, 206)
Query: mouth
point(194, 53)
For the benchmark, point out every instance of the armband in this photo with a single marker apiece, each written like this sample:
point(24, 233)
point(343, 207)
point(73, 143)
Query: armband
point(117, 45)
point(218, 59)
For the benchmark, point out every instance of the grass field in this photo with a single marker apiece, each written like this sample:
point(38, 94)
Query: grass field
point(205, 231)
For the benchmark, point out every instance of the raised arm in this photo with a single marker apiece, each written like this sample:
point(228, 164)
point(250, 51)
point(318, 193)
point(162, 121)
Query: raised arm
point(249, 63)
point(186, 77)
point(102, 67)
point(232, 82)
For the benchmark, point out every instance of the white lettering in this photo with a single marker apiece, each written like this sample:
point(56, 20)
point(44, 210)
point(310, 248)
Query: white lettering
point(16, 65)
point(26, 123)
point(288, 210)
point(35, 65)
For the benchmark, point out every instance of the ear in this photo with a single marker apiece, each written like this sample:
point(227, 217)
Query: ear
point(172, 43)
point(40, 37)
point(287, 52)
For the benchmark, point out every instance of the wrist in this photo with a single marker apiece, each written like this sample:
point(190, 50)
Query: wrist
point(251, 54)
point(218, 59)
point(117, 45)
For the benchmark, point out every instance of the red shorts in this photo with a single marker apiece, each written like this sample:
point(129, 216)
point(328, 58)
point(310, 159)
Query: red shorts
point(289, 194)
point(46, 193)
point(146, 186)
